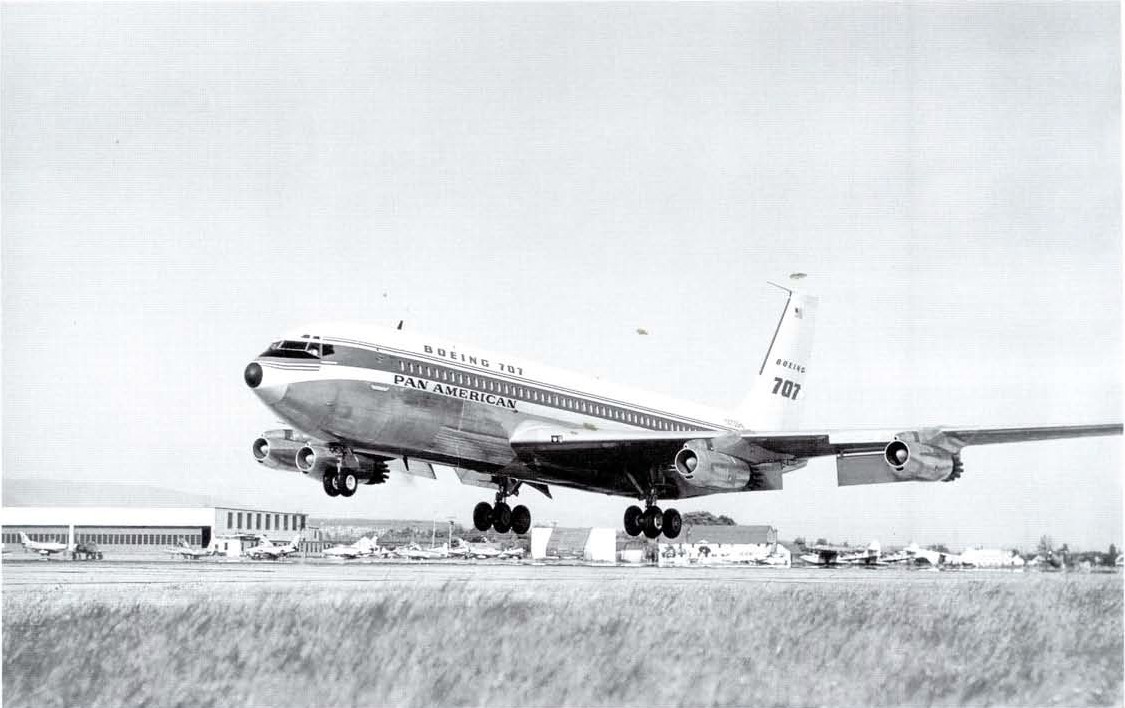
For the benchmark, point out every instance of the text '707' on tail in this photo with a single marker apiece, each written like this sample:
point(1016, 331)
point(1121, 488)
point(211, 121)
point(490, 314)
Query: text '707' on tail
point(778, 392)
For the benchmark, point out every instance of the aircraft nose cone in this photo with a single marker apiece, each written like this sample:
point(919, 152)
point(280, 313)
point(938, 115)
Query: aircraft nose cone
point(252, 375)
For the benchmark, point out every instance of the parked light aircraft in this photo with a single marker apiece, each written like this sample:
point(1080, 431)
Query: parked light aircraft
point(184, 550)
point(363, 548)
point(266, 548)
point(416, 552)
point(464, 549)
point(844, 555)
point(925, 556)
point(358, 398)
point(46, 548)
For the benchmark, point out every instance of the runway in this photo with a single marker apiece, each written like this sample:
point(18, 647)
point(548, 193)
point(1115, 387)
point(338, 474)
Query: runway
point(30, 575)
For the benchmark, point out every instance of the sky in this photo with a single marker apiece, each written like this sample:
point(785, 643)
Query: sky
point(183, 182)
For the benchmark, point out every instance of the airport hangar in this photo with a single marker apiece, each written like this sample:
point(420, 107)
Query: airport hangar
point(142, 528)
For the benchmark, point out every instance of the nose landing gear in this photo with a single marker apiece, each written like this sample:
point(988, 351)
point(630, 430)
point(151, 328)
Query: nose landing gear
point(500, 516)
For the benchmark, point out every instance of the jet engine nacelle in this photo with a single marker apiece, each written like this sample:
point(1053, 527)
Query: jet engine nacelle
point(916, 461)
point(316, 460)
point(703, 467)
point(276, 451)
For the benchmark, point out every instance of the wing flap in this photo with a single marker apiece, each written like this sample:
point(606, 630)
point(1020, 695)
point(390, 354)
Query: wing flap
point(864, 468)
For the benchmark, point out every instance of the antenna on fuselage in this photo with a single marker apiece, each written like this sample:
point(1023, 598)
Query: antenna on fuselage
point(400, 324)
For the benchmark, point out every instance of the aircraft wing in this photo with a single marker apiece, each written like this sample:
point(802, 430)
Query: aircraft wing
point(618, 462)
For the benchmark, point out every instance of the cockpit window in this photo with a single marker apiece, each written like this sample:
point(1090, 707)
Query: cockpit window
point(292, 349)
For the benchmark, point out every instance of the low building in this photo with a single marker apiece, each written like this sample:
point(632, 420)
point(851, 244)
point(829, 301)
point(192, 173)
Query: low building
point(138, 528)
point(724, 545)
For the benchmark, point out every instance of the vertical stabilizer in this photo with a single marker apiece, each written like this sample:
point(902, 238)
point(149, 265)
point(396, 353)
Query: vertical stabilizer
point(778, 392)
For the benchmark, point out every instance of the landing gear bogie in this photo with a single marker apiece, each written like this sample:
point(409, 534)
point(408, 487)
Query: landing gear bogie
point(652, 521)
point(500, 516)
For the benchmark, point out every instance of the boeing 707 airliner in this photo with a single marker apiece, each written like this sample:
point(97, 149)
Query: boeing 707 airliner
point(362, 400)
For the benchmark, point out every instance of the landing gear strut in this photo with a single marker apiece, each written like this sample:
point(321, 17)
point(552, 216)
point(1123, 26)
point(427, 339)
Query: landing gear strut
point(652, 521)
point(500, 516)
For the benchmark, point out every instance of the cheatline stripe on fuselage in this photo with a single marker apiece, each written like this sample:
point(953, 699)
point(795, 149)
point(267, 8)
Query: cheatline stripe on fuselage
point(290, 367)
point(632, 407)
point(555, 388)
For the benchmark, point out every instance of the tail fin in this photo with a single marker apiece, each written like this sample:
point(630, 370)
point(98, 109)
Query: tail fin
point(777, 394)
point(24, 539)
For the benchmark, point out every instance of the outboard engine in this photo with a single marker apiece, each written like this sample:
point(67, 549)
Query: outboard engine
point(276, 450)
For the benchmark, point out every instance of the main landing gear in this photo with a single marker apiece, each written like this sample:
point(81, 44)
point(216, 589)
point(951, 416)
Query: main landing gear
point(652, 521)
point(500, 516)
point(340, 483)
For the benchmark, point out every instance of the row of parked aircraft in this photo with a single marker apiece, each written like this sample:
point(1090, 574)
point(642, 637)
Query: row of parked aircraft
point(265, 550)
point(368, 547)
point(872, 555)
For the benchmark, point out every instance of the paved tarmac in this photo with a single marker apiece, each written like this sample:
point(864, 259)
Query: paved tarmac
point(32, 574)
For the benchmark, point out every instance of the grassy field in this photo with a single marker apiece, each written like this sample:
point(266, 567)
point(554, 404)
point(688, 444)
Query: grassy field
point(1037, 640)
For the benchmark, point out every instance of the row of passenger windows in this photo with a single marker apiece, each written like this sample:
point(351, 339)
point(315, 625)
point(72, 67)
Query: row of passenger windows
point(272, 522)
point(124, 539)
point(534, 395)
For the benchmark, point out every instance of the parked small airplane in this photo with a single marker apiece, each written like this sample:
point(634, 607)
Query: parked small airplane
point(47, 548)
point(266, 549)
point(926, 556)
point(465, 549)
point(415, 552)
point(363, 548)
point(844, 555)
point(184, 550)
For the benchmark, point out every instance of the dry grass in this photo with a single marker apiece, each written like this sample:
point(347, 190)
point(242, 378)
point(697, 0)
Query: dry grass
point(1036, 641)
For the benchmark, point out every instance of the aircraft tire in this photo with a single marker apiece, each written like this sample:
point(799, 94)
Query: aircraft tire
point(673, 522)
point(633, 525)
point(482, 516)
point(329, 482)
point(521, 520)
point(347, 483)
point(501, 517)
point(652, 521)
